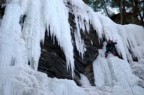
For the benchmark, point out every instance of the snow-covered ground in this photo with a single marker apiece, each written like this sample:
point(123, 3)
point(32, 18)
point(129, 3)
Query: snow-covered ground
point(20, 43)
point(25, 81)
point(113, 76)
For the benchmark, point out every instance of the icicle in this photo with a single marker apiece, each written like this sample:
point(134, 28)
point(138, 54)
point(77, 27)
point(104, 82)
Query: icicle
point(96, 23)
point(12, 45)
point(33, 31)
point(57, 19)
point(18, 45)
point(79, 42)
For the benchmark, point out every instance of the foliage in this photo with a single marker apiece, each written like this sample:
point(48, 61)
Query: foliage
point(122, 8)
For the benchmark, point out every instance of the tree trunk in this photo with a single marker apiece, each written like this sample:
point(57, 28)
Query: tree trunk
point(121, 4)
point(105, 8)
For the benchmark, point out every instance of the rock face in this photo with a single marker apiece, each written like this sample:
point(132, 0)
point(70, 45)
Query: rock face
point(2, 8)
point(128, 18)
point(52, 60)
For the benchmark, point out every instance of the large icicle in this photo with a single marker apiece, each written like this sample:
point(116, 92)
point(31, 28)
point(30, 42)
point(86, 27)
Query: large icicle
point(79, 10)
point(35, 17)
point(78, 40)
point(56, 18)
point(12, 45)
point(33, 30)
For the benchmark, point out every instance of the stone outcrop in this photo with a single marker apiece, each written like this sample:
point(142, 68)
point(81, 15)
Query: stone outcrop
point(52, 60)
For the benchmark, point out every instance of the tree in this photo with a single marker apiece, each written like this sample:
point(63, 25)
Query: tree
point(99, 5)
point(129, 11)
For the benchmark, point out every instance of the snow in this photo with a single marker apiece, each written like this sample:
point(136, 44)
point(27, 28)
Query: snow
point(25, 81)
point(84, 81)
point(15, 80)
point(23, 28)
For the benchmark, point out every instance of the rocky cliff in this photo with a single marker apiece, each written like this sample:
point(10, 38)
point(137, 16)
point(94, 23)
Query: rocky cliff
point(52, 60)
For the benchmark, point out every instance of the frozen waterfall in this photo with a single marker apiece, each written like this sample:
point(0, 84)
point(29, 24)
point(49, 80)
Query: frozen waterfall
point(23, 28)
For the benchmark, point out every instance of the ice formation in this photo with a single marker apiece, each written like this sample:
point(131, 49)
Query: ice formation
point(25, 81)
point(23, 28)
point(84, 81)
point(116, 73)
point(36, 21)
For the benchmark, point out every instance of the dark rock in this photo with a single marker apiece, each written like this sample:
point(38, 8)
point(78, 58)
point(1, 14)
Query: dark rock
point(2, 8)
point(52, 60)
point(128, 18)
